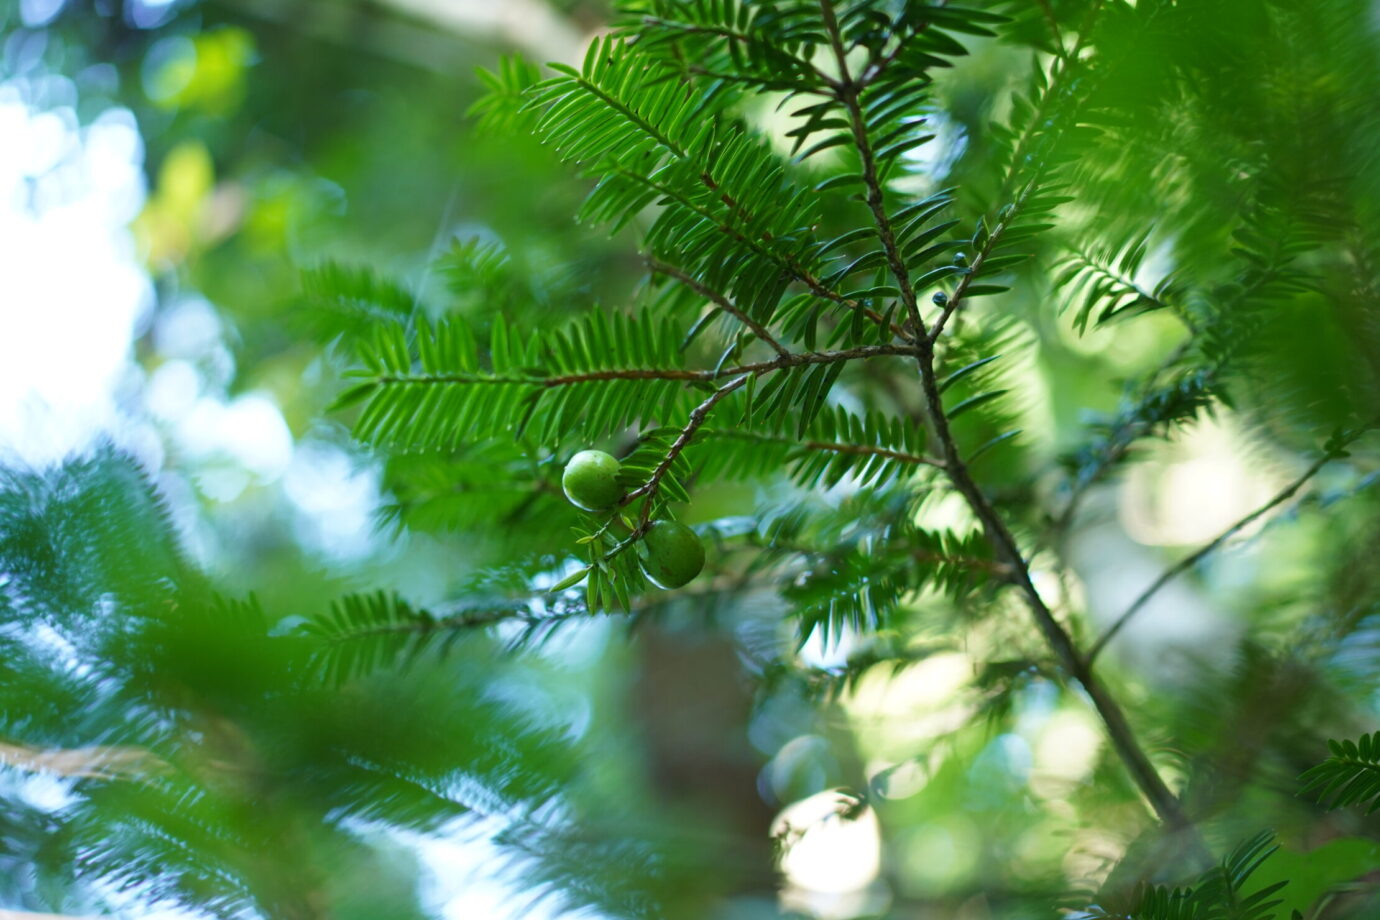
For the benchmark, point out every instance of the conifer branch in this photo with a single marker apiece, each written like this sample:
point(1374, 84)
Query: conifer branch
point(760, 247)
point(632, 117)
point(1165, 804)
point(1048, 11)
point(740, 38)
point(878, 63)
point(865, 450)
point(1128, 747)
point(467, 619)
point(1018, 156)
point(1192, 559)
point(847, 93)
point(1121, 439)
point(1035, 127)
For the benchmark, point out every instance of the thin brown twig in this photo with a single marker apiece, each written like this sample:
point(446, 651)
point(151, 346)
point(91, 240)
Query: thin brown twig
point(687, 434)
point(1165, 804)
point(865, 450)
point(790, 359)
point(1192, 559)
point(989, 245)
point(719, 300)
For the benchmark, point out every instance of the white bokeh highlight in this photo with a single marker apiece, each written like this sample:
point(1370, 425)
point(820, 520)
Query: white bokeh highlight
point(72, 293)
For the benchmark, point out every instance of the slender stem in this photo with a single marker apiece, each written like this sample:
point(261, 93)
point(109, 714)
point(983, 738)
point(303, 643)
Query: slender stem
point(790, 359)
point(1192, 559)
point(1053, 24)
point(1123, 738)
point(961, 289)
point(687, 434)
point(861, 450)
point(721, 301)
point(847, 92)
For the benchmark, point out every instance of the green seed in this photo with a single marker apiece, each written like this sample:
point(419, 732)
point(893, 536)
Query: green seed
point(675, 554)
point(590, 480)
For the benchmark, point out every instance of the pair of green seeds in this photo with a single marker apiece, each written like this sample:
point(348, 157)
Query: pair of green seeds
point(674, 554)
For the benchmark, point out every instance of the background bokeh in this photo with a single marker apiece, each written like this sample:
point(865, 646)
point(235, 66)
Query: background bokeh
point(167, 172)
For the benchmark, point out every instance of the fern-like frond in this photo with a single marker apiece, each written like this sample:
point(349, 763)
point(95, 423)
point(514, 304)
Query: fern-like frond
point(1048, 124)
point(765, 47)
point(1219, 894)
point(89, 529)
point(1351, 776)
point(1159, 407)
point(346, 301)
point(599, 375)
point(728, 211)
point(1223, 890)
point(856, 578)
point(1102, 280)
point(362, 634)
point(871, 450)
point(480, 276)
point(481, 482)
point(502, 108)
point(1154, 902)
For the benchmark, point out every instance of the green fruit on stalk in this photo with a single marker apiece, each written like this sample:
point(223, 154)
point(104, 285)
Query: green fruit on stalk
point(590, 480)
point(675, 554)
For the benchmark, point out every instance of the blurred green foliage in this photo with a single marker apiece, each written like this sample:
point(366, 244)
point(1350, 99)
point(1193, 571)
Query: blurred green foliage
point(1148, 230)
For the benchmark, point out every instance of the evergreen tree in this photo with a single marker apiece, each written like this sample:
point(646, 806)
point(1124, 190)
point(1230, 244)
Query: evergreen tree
point(819, 468)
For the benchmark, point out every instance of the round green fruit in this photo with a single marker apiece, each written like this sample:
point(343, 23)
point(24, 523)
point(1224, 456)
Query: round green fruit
point(674, 554)
point(590, 480)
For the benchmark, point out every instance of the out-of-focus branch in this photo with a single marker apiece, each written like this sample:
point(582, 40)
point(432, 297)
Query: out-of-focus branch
point(528, 24)
point(428, 40)
point(97, 762)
